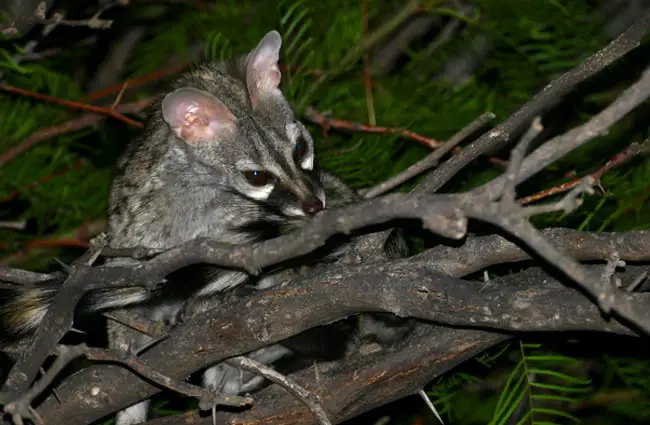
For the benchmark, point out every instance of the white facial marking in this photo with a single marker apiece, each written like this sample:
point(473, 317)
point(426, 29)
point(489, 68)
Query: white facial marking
point(260, 193)
point(308, 161)
point(293, 133)
point(294, 212)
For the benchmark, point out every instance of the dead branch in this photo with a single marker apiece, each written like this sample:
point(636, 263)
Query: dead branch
point(360, 383)
point(432, 159)
point(326, 122)
point(68, 127)
point(624, 156)
point(583, 246)
point(527, 301)
point(309, 399)
point(71, 104)
point(57, 19)
point(538, 105)
point(21, 407)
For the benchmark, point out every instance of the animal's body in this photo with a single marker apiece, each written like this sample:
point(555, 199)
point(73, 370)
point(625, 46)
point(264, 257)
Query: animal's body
point(224, 157)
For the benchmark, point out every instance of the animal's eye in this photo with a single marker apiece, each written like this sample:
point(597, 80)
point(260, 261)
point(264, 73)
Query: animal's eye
point(258, 177)
point(300, 149)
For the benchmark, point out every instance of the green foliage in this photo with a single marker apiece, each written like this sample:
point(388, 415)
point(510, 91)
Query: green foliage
point(296, 26)
point(217, 47)
point(536, 385)
point(62, 183)
point(629, 376)
point(537, 379)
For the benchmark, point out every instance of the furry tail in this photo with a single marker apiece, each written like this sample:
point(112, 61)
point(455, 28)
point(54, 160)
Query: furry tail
point(23, 307)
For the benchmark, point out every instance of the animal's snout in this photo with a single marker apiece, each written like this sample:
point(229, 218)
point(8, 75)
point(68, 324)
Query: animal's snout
point(312, 206)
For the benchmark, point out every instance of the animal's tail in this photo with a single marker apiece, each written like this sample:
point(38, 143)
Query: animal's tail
point(22, 307)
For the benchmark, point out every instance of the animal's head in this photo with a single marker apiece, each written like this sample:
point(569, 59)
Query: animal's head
point(232, 119)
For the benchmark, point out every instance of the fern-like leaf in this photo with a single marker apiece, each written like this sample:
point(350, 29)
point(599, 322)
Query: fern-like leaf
point(217, 47)
point(537, 381)
point(299, 50)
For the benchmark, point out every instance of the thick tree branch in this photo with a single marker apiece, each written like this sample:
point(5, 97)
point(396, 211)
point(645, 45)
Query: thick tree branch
point(529, 301)
point(21, 408)
point(360, 383)
point(479, 252)
point(58, 319)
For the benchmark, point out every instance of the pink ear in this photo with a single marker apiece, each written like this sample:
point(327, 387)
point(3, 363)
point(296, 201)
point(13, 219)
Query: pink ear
point(196, 116)
point(262, 70)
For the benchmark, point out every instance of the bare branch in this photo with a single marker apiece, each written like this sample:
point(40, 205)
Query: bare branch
point(431, 160)
point(24, 277)
point(379, 378)
point(311, 400)
point(21, 407)
point(57, 19)
point(516, 158)
point(559, 146)
point(479, 252)
point(559, 87)
point(528, 301)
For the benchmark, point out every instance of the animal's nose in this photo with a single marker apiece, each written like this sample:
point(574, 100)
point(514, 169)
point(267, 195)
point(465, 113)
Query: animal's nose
point(312, 207)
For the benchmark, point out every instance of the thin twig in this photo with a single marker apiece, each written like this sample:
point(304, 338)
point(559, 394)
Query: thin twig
point(51, 243)
point(557, 88)
point(151, 328)
point(323, 120)
point(516, 159)
point(637, 282)
point(111, 112)
point(68, 127)
point(65, 354)
point(567, 204)
point(136, 82)
point(309, 399)
point(14, 225)
point(207, 398)
point(431, 160)
point(45, 179)
point(57, 19)
point(621, 158)
point(423, 395)
point(367, 78)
